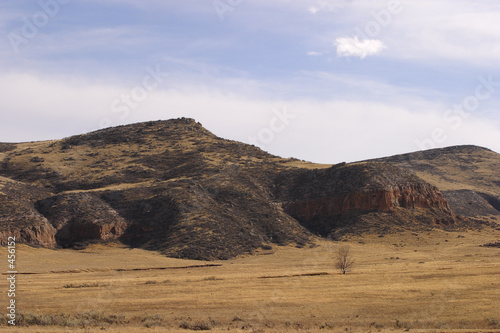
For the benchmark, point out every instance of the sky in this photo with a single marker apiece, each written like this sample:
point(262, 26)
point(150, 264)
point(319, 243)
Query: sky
point(325, 81)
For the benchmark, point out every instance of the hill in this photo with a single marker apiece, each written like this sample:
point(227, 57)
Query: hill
point(175, 187)
point(468, 177)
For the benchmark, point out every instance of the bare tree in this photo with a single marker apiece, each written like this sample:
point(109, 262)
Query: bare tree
point(344, 260)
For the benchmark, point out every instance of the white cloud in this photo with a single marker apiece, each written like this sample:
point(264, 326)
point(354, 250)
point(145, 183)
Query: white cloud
point(352, 46)
point(425, 31)
point(432, 31)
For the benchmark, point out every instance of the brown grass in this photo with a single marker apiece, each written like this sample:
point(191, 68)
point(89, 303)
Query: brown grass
point(433, 281)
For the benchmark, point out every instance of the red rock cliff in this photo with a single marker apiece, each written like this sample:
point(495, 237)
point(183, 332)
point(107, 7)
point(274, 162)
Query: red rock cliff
point(354, 196)
point(40, 235)
point(382, 200)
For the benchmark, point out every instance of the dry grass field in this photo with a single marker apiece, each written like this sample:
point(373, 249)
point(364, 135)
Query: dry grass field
point(434, 281)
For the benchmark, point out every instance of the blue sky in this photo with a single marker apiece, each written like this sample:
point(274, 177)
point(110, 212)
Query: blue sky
point(321, 80)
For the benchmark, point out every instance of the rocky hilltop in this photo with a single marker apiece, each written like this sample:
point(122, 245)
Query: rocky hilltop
point(174, 187)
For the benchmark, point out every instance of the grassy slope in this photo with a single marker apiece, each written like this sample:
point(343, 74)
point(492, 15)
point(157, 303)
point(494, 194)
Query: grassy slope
point(455, 168)
point(129, 154)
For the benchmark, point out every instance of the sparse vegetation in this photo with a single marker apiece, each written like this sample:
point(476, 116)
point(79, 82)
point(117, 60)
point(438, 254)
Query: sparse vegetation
point(83, 285)
point(493, 323)
point(152, 321)
point(492, 244)
point(328, 326)
point(197, 326)
point(212, 278)
point(107, 288)
point(344, 260)
point(83, 319)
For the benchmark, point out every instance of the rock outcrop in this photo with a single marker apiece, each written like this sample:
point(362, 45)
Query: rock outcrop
point(81, 217)
point(19, 217)
point(329, 195)
point(386, 200)
point(35, 235)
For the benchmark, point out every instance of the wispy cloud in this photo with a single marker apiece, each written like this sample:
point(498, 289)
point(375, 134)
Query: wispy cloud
point(314, 53)
point(461, 31)
point(331, 6)
point(353, 47)
point(313, 10)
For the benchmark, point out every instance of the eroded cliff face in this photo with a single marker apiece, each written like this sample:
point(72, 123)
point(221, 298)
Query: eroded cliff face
point(80, 217)
point(62, 220)
point(39, 235)
point(327, 196)
point(381, 200)
point(20, 219)
point(72, 233)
